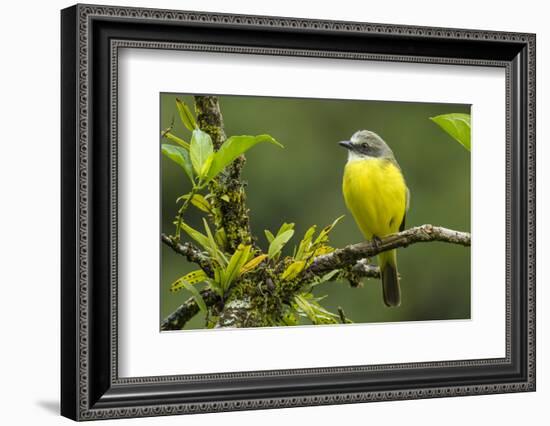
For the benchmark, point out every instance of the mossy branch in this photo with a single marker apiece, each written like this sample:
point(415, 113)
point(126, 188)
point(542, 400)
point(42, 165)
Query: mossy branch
point(233, 211)
point(352, 258)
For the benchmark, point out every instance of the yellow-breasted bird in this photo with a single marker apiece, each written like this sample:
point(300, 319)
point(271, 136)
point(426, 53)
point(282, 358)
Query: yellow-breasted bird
point(376, 194)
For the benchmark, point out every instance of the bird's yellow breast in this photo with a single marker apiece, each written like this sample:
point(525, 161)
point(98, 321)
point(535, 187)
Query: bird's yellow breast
point(376, 194)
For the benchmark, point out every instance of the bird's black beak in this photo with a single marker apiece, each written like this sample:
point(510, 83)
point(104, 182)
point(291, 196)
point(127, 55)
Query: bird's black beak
point(346, 144)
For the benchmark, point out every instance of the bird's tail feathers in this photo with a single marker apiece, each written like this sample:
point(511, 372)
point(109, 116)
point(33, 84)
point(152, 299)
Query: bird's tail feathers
point(387, 262)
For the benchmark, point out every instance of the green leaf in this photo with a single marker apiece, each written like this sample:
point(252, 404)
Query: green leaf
point(293, 270)
point(180, 156)
point(305, 307)
point(285, 227)
point(269, 236)
point(223, 258)
point(216, 284)
point(198, 201)
point(197, 236)
point(209, 234)
point(185, 115)
point(206, 165)
point(327, 277)
point(252, 264)
point(233, 269)
point(290, 318)
point(171, 137)
point(232, 148)
point(214, 252)
point(305, 244)
point(277, 244)
point(192, 277)
point(457, 125)
point(201, 148)
point(323, 235)
point(220, 237)
point(315, 312)
point(201, 203)
point(196, 296)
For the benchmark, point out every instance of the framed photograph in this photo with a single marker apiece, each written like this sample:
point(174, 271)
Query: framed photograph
point(263, 212)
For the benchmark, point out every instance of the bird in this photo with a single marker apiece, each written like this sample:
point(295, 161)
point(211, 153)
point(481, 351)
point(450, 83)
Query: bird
point(376, 194)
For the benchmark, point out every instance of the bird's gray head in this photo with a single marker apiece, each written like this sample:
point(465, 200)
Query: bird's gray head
point(364, 144)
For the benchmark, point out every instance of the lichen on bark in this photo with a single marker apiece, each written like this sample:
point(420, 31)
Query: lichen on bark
point(254, 301)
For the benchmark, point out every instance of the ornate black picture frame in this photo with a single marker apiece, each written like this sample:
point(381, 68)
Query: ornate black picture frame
point(91, 36)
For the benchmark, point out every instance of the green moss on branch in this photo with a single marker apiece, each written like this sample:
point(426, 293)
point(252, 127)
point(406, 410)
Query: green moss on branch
point(228, 190)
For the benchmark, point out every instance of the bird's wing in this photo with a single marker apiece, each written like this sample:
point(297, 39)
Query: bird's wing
point(407, 201)
point(407, 193)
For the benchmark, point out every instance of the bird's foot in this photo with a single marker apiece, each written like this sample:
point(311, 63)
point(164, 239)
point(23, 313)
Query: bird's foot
point(376, 241)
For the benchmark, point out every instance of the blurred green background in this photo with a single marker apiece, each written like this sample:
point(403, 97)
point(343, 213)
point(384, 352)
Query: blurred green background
point(302, 184)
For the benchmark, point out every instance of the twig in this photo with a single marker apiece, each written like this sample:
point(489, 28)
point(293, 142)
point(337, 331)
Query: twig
point(342, 316)
point(182, 210)
point(363, 269)
point(192, 253)
point(349, 255)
